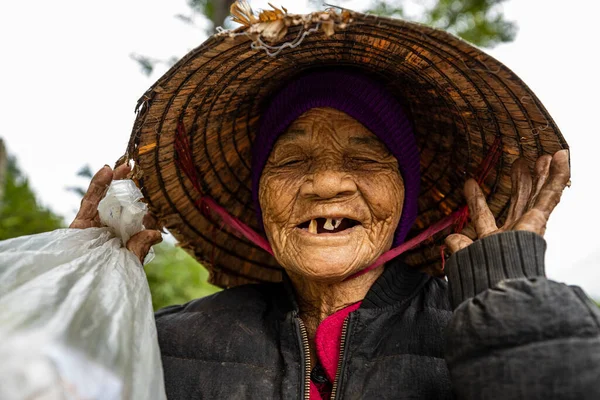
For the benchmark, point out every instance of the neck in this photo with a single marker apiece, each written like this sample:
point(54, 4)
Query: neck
point(318, 300)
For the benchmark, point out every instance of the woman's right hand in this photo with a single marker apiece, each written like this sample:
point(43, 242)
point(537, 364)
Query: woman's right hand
point(532, 200)
point(88, 217)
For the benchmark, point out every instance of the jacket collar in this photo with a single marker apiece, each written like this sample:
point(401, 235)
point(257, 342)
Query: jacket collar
point(397, 283)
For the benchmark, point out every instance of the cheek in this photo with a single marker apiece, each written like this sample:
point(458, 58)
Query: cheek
point(384, 194)
point(276, 195)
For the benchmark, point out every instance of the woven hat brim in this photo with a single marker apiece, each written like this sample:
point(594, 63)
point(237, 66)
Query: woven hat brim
point(459, 99)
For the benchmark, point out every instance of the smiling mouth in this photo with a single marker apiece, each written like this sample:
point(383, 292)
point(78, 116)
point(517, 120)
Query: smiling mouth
point(328, 225)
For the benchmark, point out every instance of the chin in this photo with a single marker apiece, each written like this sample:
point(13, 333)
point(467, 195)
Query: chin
point(330, 264)
point(326, 258)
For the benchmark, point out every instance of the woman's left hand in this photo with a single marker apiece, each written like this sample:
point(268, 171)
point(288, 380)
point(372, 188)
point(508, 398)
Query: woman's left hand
point(532, 200)
point(87, 217)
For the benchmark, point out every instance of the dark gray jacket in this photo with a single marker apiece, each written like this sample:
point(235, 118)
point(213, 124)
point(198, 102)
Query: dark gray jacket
point(513, 334)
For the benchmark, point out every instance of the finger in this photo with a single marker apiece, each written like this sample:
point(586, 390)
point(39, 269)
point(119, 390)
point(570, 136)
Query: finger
point(481, 216)
point(140, 243)
point(84, 224)
point(557, 180)
point(520, 192)
point(456, 242)
point(540, 174)
point(535, 220)
point(121, 171)
point(95, 192)
point(150, 222)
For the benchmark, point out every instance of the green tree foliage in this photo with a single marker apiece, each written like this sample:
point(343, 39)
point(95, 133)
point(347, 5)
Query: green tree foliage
point(477, 21)
point(480, 22)
point(175, 277)
point(20, 212)
point(215, 10)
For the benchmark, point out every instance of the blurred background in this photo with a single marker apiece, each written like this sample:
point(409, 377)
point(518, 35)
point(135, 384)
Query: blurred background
point(72, 72)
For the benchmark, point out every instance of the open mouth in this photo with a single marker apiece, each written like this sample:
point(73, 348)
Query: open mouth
point(328, 225)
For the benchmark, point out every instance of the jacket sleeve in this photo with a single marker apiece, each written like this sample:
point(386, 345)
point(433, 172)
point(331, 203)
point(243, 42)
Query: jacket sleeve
point(515, 334)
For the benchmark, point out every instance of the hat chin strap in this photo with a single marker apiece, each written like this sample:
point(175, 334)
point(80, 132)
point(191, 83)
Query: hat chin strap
point(452, 219)
point(209, 206)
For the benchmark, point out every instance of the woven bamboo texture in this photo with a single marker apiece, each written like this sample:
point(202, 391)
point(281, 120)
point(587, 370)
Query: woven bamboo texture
point(459, 99)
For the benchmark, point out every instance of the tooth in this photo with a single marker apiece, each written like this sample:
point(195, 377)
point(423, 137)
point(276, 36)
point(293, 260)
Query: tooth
point(337, 222)
point(328, 225)
point(312, 227)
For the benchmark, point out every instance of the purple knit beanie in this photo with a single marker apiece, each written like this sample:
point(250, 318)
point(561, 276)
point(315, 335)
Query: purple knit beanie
point(363, 99)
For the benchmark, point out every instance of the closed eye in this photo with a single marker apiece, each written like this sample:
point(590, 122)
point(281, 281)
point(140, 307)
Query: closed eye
point(290, 162)
point(364, 160)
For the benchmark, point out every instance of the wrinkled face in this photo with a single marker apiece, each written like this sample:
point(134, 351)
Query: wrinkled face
point(331, 195)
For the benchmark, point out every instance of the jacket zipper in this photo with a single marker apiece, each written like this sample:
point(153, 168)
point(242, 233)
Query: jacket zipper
point(306, 350)
point(340, 359)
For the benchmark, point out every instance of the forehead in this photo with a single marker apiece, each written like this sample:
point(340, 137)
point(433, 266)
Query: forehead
point(328, 125)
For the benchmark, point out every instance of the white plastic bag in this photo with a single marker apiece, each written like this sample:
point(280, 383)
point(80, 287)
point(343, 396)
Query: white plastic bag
point(76, 318)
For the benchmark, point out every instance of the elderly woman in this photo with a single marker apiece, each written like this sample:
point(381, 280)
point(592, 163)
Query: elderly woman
point(321, 159)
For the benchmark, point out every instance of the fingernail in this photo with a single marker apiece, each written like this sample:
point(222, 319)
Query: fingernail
point(106, 166)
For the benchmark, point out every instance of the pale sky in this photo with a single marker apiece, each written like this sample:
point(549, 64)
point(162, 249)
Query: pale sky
point(69, 89)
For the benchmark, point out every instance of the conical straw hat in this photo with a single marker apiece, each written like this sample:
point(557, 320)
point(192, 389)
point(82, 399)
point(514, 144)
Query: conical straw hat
point(462, 103)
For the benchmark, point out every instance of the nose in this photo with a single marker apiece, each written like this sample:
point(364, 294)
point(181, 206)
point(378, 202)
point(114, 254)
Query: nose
point(328, 183)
